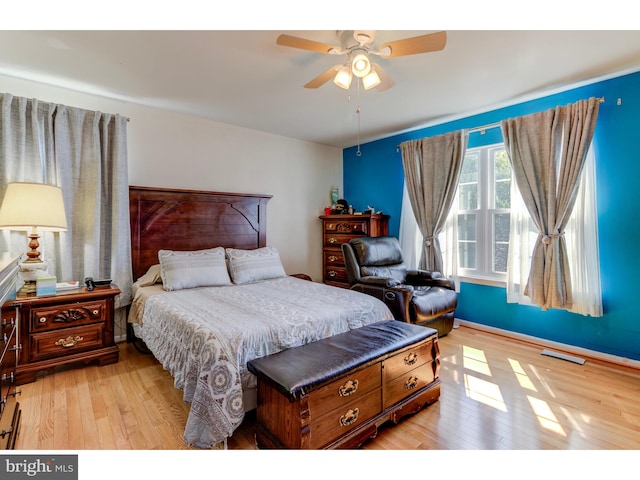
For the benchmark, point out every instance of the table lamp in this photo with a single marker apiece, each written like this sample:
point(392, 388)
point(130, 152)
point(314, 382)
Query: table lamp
point(32, 207)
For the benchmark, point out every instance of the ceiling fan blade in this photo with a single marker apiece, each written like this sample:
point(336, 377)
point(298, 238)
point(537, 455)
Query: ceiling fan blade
point(386, 82)
point(323, 77)
point(304, 44)
point(432, 42)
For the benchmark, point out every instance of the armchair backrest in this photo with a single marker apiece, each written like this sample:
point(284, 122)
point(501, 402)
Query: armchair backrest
point(374, 256)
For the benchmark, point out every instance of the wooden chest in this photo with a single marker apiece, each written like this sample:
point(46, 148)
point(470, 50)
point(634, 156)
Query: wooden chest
point(343, 411)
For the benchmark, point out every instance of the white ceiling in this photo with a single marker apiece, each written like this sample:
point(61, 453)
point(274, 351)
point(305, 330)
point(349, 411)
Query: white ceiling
point(243, 78)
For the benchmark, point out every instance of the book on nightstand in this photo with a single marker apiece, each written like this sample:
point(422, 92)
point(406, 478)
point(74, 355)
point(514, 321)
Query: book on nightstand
point(67, 286)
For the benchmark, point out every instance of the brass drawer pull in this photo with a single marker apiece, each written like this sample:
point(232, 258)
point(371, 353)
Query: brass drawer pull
point(333, 240)
point(349, 417)
point(69, 341)
point(411, 383)
point(411, 358)
point(332, 258)
point(332, 273)
point(349, 388)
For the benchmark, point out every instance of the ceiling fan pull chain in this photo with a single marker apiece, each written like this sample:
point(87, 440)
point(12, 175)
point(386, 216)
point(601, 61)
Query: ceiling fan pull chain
point(358, 152)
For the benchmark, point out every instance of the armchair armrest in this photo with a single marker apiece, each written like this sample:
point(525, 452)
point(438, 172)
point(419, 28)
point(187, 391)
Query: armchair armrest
point(430, 279)
point(379, 281)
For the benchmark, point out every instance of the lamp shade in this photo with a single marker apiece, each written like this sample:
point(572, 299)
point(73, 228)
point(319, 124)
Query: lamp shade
point(29, 205)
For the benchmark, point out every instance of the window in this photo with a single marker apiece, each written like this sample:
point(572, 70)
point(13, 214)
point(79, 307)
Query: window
point(483, 213)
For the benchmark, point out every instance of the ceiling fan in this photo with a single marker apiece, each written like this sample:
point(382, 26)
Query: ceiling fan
point(357, 45)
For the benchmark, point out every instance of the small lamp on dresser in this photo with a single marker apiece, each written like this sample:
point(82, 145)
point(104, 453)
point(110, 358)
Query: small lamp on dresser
point(32, 207)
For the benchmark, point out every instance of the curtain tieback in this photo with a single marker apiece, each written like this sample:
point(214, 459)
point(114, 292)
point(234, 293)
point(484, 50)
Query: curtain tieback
point(427, 241)
point(546, 239)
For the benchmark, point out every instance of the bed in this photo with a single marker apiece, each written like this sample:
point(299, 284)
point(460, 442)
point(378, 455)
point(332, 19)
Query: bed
point(210, 295)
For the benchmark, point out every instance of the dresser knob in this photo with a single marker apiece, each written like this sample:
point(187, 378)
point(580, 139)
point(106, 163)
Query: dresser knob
point(42, 319)
point(96, 312)
point(332, 258)
point(331, 273)
point(333, 240)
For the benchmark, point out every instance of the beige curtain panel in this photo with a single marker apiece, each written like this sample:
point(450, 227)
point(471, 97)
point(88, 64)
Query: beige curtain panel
point(84, 153)
point(547, 152)
point(432, 168)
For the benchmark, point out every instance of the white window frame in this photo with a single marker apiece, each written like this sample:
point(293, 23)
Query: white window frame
point(485, 235)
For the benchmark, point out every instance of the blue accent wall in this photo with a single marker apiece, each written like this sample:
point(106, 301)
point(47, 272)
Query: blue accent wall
point(376, 178)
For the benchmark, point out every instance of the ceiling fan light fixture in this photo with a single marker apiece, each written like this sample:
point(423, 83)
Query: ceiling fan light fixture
point(371, 80)
point(361, 65)
point(343, 78)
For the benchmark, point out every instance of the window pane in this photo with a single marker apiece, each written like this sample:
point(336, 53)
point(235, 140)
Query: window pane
point(468, 183)
point(468, 196)
point(467, 244)
point(501, 227)
point(502, 179)
point(501, 241)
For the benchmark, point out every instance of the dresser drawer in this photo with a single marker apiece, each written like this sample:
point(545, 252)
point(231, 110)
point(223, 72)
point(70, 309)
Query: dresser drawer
point(335, 240)
point(66, 341)
point(358, 227)
point(407, 384)
point(407, 360)
point(44, 318)
point(343, 390)
point(342, 420)
point(333, 258)
point(335, 274)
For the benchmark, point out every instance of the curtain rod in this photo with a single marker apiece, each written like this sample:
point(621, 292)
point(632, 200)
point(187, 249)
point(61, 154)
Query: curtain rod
point(496, 124)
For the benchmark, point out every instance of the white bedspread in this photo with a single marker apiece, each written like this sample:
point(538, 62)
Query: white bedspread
point(205, 336)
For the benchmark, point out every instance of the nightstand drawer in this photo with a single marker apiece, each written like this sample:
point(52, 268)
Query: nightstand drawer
point(52, 317)
point(59, 343)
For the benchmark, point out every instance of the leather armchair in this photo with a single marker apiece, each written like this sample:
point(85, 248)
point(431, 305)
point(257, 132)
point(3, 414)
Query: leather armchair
point(375, 266)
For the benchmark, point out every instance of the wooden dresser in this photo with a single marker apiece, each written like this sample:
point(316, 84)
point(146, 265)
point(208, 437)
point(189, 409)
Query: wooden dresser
point(9, 347)
point(339, 229)
point(68, 327)
point(315, 407)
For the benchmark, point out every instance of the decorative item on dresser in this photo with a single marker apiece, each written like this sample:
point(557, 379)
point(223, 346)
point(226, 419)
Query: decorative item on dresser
point(339, 229)
point(70, 326)
point(9, 347)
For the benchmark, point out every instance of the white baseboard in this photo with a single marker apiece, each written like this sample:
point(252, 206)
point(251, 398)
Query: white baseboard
point(626, 362)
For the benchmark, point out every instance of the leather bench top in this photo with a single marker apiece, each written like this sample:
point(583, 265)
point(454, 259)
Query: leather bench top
point(298, 370)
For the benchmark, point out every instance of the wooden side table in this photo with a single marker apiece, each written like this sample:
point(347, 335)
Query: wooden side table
point(74, 326)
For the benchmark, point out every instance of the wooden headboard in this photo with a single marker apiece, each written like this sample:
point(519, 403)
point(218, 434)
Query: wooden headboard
point(174, 219)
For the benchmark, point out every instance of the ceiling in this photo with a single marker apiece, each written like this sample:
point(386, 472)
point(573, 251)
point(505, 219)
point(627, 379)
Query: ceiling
point(243, 78)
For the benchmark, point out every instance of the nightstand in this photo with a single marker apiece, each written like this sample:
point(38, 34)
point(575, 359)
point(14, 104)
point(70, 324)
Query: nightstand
point(74, 326)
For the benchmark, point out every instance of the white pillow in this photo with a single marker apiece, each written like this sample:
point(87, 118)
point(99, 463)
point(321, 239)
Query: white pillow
point(191, 269)
point(248, 266)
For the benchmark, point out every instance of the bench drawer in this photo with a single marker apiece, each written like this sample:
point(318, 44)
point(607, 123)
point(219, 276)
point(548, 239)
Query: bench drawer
point(342, 420)
point(407, 384)
point(344, 390)
point(407, 360)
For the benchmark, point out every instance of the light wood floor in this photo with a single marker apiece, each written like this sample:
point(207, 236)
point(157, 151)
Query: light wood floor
point(497, 394)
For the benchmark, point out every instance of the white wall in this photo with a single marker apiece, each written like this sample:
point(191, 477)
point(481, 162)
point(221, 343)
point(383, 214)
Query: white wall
point(168, 149)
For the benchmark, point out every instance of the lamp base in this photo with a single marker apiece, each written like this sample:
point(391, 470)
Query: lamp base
point(28, 289)
point(30, 270)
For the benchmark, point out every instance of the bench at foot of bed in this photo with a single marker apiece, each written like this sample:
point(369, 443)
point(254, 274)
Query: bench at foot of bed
point(336, 392)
